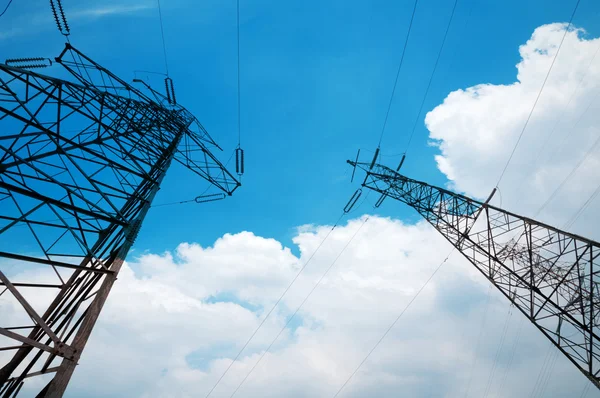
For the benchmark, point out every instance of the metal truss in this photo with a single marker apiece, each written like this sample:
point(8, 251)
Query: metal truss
point(80, 163)
point(550, 275)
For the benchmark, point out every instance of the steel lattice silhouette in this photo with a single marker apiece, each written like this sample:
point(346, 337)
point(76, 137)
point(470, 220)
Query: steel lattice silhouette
point(80, 164)
point(550, 275)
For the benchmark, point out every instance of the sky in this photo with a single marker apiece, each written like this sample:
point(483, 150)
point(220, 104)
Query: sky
point(316, 79)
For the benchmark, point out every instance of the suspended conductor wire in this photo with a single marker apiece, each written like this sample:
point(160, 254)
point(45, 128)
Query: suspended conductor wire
point(568, 177)
point(498, 351)
point(511, 357)
point(299, 307)
point(162, 34)
point(275, 305)
point(393, 323)
point(387, 114)
point(6, 8)
point(412, 133)
point(590, 150)
point(238, 77)
point(477, 345)
point(545, 369)
point(586, 388)
point(539, 93)
point(582, 209)
point(541, 150)
point(180, 202)
point(546, 381)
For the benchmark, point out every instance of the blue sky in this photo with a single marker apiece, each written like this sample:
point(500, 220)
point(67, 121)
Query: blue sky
point(316, 78)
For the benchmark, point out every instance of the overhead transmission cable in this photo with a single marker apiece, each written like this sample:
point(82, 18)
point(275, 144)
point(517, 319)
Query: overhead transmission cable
point(586, 389)
point(169, 87)
point(511, 357)
point(488, 387)
point(412, 300)
point(285, 292)
point(162, 34)
point(6, 8)
point(200, 198)
point(301, 305)
point(545, 371)
point(437, 60)
point(467, 20)
point(479, 336)
point(540, 151)
point(275, 305)
point(582, 209)
point(239, 152)
point(568, 177)
point(387, 114)
point(539, 94)
point(238, 73)
point(546, 380)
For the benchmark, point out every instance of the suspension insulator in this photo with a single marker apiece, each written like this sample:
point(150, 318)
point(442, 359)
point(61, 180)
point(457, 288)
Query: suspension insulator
point(401, 162)
point(64, 18)
point(352, 201)
point(168, 90)
point(380, 200)
point(29, 63)
point(374, 158)
point(239, 161)
point(61, 22)
point(355, 162)
point(172, 92)
point(209, 198)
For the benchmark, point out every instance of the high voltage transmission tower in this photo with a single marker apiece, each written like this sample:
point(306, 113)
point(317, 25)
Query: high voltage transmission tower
point(550, 275)
point(80, 164)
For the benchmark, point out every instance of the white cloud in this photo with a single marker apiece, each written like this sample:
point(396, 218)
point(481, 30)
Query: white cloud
point(476, 129)
point(169, 337)
point(111, 10)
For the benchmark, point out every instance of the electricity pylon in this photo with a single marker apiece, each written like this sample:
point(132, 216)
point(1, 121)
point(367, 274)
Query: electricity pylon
point(550, 275)
point(80, 163)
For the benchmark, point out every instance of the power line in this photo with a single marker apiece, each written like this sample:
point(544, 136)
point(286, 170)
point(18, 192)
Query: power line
point(162, 34)
point(274, 306)
point(481, 325)
point(582, 209)
point(497, 357)
point(586, 388)
point(398, 72)
point(437, 60)
point(568, 177)
point(539, 94)
point(512, 353)
point(238, 76)
point(393, 323)
point(546, 380)
point(545, 369)
point(300, 306)
point(194, 199)
point(540, 151)
point(6, 8)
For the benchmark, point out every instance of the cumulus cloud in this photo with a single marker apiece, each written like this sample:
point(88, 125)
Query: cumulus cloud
point(476, 129)
point(175, 321)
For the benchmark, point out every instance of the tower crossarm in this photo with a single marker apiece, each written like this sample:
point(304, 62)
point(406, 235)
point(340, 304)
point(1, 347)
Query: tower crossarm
point(550, 275)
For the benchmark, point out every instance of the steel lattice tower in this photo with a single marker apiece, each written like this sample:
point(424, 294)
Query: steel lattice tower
point(550, 275)
point(80, 164)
